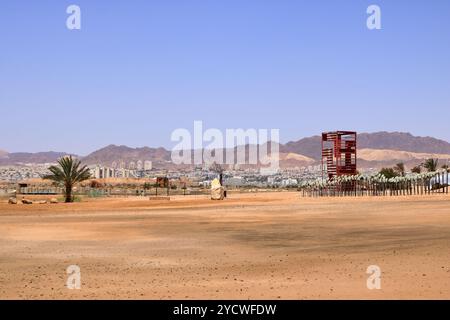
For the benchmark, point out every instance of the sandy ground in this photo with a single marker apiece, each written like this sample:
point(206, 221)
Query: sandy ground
point(250, 246)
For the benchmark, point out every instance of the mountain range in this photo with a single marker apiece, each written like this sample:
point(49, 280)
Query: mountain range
point(27, 157)
point(374, 150)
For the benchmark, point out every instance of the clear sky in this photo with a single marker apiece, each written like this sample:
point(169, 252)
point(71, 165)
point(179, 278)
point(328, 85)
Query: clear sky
point(137, 70)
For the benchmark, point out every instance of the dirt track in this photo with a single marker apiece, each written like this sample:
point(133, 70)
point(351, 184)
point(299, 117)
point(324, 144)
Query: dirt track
point(257, 246)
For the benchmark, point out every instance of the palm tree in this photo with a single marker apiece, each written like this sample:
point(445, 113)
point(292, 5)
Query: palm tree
point(400, 169)
point(68, 173)
point(388, 173)
point(431, 164)
point(417, 169)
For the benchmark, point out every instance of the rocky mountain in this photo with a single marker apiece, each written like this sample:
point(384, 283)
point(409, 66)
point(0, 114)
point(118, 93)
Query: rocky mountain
point(116, 154)
point(399, 141)
point(403, 142)
point(17, 158)
point(374, 150)
point(310, 147)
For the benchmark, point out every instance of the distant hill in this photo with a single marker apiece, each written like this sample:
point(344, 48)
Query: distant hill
point(375, 150)
point(25, 157)
point(377, 158)
point(399, 141)
point(3, 154)
point(402, 142)
point(114, 153)
point(310, 147)
point(387, 155)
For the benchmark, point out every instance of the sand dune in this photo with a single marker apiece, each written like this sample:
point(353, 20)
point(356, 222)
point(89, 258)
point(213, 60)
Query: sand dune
point(296, 156)
point(387, 155)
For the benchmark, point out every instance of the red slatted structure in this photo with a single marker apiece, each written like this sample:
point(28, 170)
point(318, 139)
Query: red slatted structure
point(338, 153)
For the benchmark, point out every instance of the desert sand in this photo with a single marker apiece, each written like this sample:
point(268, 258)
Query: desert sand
point(249, 246)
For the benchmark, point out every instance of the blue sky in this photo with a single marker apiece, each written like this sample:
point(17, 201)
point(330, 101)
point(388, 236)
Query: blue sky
point(137, 70)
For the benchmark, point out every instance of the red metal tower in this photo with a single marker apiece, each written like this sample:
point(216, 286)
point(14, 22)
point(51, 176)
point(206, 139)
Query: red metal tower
point(338, 153)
